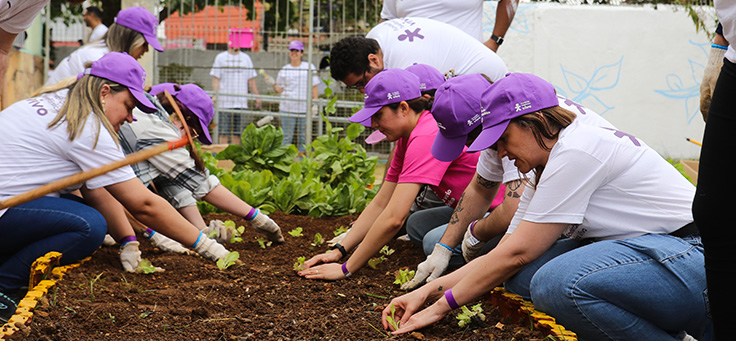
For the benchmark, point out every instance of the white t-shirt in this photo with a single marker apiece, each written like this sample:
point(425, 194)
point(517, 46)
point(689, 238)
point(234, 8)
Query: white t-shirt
point(726, 10)
point(234, 71)
point(73, 65)
point(34, 155)
point(16, 15)
point(607, 184)
point(294, 81)
point(467, 15)
point(405, 41)
point(493, 168)
point(97, 32)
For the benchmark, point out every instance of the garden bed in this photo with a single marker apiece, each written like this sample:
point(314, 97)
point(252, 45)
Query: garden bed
point(263, 299)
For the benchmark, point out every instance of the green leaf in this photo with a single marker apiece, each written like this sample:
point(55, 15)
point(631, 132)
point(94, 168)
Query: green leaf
point(297, 232)
point(145, 267)
point(228, 260)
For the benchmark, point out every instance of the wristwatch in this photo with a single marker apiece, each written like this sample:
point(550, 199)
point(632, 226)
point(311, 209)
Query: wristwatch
point(497, 39)
point(341, 248)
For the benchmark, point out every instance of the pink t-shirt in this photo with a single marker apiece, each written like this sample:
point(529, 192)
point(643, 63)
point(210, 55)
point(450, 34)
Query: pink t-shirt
point(413, 163)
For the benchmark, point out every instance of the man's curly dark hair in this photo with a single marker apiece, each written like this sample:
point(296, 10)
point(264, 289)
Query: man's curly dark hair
point(350, 55)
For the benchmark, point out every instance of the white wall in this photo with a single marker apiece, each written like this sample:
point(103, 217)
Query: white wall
point(639, 67)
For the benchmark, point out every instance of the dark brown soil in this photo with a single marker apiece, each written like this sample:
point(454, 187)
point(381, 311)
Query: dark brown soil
point(263, 299)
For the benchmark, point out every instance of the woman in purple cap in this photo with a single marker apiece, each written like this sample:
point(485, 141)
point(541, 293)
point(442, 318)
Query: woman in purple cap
point(629, 265)
point(64, 132)
point(394, 105)
point(133, 32)
point(180, 176)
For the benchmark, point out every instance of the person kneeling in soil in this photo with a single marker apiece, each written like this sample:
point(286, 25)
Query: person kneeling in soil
point(630, 265)
point(58, 134)
point(180, 176)
point(395, 106)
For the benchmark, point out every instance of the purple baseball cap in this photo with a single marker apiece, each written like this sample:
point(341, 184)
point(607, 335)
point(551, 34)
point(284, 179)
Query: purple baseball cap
point(158, 88)
point(140, 20)
point(296, 45)
point(429, 77)
point(515, 95)
point(199, 103)
point(457, 110)
point(388, 86)
point(123, 69)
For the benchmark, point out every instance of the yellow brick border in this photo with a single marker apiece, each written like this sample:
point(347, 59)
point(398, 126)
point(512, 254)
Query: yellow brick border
point(521, 312)
point(44, 276)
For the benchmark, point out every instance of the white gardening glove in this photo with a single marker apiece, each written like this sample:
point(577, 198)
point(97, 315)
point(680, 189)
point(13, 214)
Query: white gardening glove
point(219, 231)
point(432, 268)
point(210, 249)
point(471, 246)
point(167, 244)
point(337, 238)
point(109, 240)
point(263, 224)
point(710, 76)
point(130, 256)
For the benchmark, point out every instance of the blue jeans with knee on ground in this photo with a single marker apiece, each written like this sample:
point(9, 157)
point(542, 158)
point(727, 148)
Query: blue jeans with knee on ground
point(645, 288)
point(31, 230)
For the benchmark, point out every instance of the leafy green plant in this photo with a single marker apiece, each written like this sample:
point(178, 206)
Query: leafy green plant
point(373, 262)
point(340, 230)
point(387, 250)
point(468, 316)
point(317, 240)
point(391, 318)
point(403, 276)
point(297, 232)
point(299, 264)
point(263, 242)
point(261, 149)
point(228, 261)
point(145, 267)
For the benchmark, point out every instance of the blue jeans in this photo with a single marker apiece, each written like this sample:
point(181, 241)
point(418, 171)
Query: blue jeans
point(645, 288)
point(231, 123)
point(288, 124)
point(46, 224)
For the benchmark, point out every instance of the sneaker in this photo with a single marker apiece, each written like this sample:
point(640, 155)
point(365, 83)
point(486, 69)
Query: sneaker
point(8, 306)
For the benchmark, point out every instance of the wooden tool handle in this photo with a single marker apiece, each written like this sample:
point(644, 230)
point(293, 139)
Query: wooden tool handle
point(84, 176)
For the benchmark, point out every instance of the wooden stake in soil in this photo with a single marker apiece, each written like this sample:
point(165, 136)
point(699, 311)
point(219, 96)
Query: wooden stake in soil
point(84, 176)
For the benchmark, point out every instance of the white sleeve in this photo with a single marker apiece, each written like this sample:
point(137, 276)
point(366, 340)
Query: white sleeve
point(281, 78)
point(250, 72)
point(23, 17)
point(389, 10)
point(315, 78)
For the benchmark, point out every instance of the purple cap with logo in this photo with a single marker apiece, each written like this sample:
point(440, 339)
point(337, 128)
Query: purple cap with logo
point(388, 86)
point(158, 88)
point(123, 69)
point(140, 20)
point(457, 110)
point(199, 103)
point(296, 45)
point(515, 95)
point(429, 77)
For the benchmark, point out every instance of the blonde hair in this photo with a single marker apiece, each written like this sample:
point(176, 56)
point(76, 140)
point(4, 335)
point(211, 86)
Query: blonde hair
point(82, 101)
point(122, 39)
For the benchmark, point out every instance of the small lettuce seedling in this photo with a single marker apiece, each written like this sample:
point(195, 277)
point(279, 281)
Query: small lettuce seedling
point(145, 267)
point(340, 230)
point(373, 262)
point(387, 251)
point(317, 240)
point(263, 243)
point(391, 319)
point(227, 261)
point(403, 276)
point(299, 263)
point(297, 232)
point(237, 236)
point(469, 316)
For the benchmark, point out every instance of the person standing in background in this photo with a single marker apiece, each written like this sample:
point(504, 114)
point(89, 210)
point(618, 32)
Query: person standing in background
point(291, 82)
point(93, 19)
point(233, 75)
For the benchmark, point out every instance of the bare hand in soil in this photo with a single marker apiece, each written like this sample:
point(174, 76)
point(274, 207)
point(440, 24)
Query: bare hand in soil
point(404, 307)
point(409, 320)
point(327, 257)
point(330, 272)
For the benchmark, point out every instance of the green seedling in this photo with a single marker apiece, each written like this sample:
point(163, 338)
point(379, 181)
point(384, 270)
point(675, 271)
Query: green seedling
point(92, 286)
point(237, 236)
point(391, 319)
point(340, 230)
point(227, 261)
point(468, 316)
point(263, 243)
point(318, 240)
point(297, 232)
point(403, 276)
point(373, 262)
point(387, 251)
point(145, 267)
point(299, 264)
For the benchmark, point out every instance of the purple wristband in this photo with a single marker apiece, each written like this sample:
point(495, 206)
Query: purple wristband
point(472, 225)
point(345, 271)
point(451, 299)
point(149, 233)
point(252, 214)
point(127, 239)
